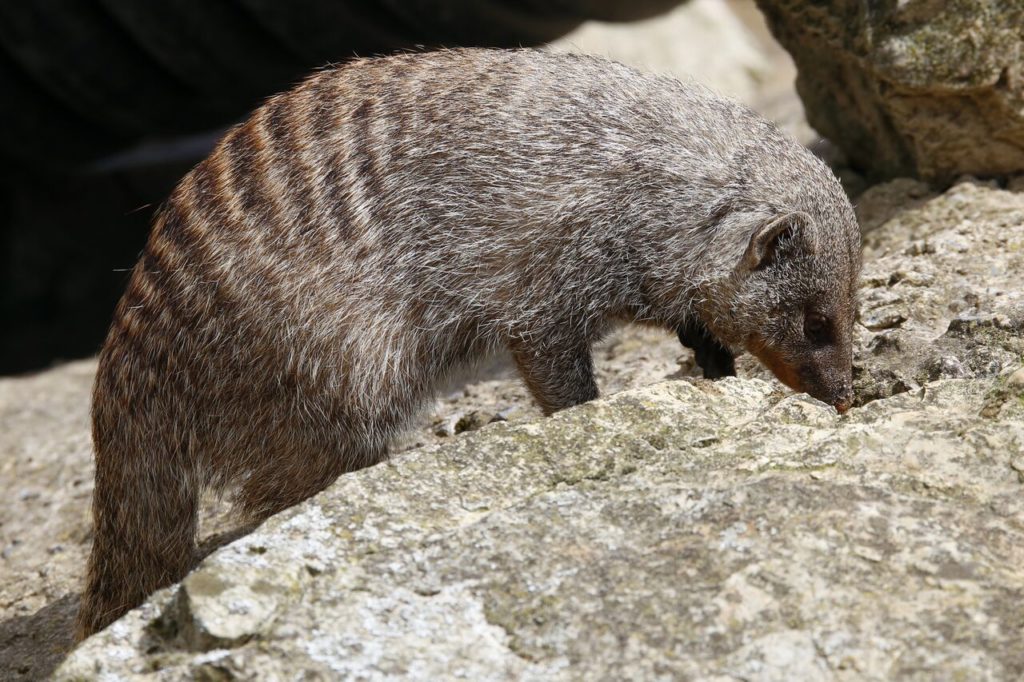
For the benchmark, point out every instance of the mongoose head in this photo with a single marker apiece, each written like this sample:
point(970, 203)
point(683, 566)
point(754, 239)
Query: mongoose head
point(793, 302)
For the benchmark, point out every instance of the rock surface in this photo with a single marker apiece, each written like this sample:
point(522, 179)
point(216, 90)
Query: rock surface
point(690, 529)
point(930, 88)
point(46, 480)
point(682, 530)
point(943, 291)
point(45, 487)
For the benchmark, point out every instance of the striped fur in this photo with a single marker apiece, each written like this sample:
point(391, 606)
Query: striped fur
point(307, 286)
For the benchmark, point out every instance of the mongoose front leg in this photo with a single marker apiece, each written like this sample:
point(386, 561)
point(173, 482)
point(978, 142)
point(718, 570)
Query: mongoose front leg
point(712, 357)
point(558, 375)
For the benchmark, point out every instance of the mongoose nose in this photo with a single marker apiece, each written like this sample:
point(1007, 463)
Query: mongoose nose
point(844, 402)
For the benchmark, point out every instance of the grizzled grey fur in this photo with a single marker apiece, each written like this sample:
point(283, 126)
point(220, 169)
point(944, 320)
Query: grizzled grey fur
point(307, 287)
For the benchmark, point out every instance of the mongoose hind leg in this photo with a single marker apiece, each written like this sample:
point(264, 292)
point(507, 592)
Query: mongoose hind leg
point(558, 374)
point(295, 472)
point(306, 451)
point(712, 357)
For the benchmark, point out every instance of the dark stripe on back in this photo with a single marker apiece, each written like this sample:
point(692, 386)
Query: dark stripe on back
point(241, 152)
point(323, 123)
point(175, 263)
point(174, 288)
point(203, 200)
point(285, 155)
point(364, 156)
point(396, 92)
point(137, 326)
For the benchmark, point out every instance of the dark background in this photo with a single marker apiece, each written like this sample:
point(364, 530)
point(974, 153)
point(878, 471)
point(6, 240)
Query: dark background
point(106, 103)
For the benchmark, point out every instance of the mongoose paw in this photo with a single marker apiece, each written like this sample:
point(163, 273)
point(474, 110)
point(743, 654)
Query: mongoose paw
point(712, 357)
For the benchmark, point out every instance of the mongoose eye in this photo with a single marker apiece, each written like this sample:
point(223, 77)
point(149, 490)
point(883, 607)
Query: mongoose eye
point(816, 328)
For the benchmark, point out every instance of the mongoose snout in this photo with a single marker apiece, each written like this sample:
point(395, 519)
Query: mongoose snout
point(307, 287)
point(825, 374)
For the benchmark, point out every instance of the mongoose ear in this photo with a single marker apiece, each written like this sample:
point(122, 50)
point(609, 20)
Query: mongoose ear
point(764, 242)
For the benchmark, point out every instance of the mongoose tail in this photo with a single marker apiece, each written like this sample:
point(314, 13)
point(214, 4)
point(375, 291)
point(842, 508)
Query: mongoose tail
point(145, 506)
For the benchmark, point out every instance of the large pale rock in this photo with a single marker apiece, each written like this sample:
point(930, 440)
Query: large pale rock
point(948, 266)
point(723, 44)
point(683, 530)
point(686, 530)
point(701, 40)
point(932, 88)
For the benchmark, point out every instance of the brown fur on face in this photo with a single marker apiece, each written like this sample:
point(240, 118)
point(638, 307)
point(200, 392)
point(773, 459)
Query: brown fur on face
point(773, 360)
point(832, 388)
point(307, 287)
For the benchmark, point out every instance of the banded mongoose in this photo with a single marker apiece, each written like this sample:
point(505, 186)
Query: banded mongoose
point(307, 286)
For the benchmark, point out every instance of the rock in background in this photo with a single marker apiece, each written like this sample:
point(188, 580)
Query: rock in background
point(701, 39)
point(724, 45)
point(926, 88)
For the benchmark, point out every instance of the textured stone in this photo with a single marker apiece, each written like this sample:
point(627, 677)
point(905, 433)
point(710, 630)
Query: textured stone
point(942, 293)
point(725, 530)
point(930, 88)
point(691, 529)
point(681, 530)
point(878, 204)
point(45, 488)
